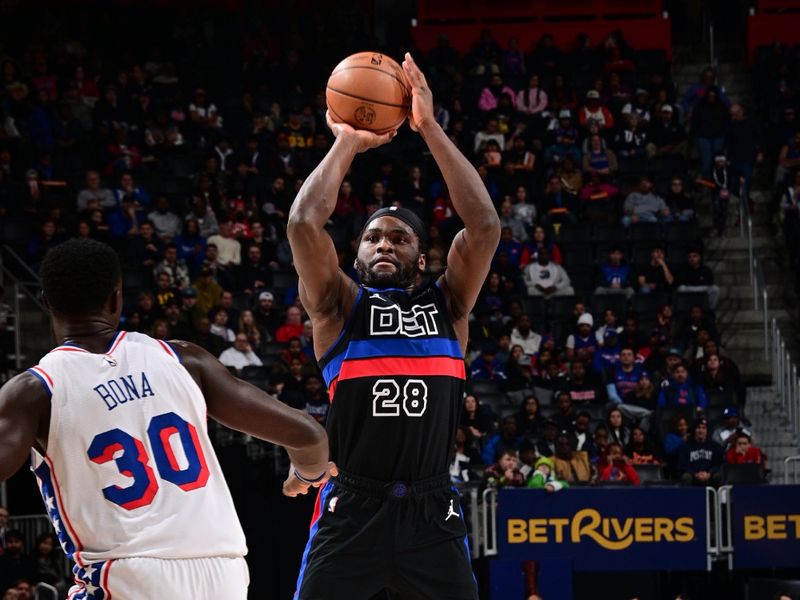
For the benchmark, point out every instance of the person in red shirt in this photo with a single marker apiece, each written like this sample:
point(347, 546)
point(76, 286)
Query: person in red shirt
point(618, 467)
point(742, 451)
point(293, 327)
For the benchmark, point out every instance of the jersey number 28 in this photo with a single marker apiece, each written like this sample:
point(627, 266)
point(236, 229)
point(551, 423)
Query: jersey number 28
point(134, 462)
point(386, 398)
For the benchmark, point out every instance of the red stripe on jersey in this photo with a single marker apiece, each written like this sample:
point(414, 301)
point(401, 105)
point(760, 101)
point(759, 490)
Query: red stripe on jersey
point(77, 540)
point(105, 580)
point(403, 366)
point(332, 389)
point(167, 349)
point(119, 339)
point(44, 374)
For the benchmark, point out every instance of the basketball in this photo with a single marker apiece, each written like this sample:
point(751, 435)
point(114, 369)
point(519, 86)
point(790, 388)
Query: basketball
point(368, 91)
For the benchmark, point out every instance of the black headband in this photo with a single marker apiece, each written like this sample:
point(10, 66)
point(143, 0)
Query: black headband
point(408, 217)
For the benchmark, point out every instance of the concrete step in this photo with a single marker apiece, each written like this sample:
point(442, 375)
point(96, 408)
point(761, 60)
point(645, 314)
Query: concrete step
point(746, 291)
point(746, 317)
point(738, 243)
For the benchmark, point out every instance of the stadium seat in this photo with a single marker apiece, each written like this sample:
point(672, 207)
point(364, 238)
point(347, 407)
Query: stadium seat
point(748, 474)
point(647, 305)
point(681, 232)
point(684, 301)
point(615, 234)
point(535, 307)
point(577, 255)
point(602, 302)
point(561, 307)
point(272, 348)
point(575, 233)
point(283, 280)
point(645, 232)
point(258, 376)
point(479, 388)
point(496, 402)
point(650, 473)
point(582, 279)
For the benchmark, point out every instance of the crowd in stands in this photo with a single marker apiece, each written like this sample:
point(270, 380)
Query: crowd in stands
point(593, 347)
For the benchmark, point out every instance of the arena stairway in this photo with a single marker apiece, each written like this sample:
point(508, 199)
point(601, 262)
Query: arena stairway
point(770, 428)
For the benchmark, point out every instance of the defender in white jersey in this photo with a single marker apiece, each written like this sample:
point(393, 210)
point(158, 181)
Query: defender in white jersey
point(116, 423)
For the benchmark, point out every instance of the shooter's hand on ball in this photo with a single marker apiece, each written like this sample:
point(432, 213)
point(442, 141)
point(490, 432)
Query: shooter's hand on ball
point(362, 139)
point(421, 114)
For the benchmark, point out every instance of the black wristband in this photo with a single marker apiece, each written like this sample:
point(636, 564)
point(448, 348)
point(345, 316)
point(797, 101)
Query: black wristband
point(309, 481)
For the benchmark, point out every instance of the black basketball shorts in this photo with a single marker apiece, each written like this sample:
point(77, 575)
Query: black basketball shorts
point(405, 538)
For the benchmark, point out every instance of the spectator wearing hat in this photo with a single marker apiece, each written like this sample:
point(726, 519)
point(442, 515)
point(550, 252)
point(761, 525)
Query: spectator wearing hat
point(191, 313)
point(544, 476)
point(582, 344)
point(582, 436)
point(608, 355)
point(724, 435)
point(563, 140)
point(681, 392)
point(615, 275)
point(507, 438)
point(644, 206)
point(665, 135)
point(655, 276)
point(639, 106)
point(700, 458)
point(487, 367)
point(618, 468)
point(723, 184)
point(570, 465)
point(593, 111)
point(697, 277)
point(546, 278)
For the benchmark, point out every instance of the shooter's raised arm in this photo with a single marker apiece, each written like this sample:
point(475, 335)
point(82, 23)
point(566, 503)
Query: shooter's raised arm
point(473, 248)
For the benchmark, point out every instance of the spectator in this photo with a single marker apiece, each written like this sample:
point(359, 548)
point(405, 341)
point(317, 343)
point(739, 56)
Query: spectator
point(723, 186)
point(744, 143)
point(208, 291)
point(619, 468)
point(788, 159)
point(229, 250)
point(487, 367)
point(166, 223)
point(608, 355)
point(681, 392)
point(641, 449)
point(518, 371)
point(697, 277)
point(490, 132)
point(610, 322)
point(524, 336)
point(128, 187)
point(544, 477)
point(174, 267)
point(666, 136)
point(700, 459)
point(630, 141)
point(505, 472)
point(563, 140)
point(616, 276)
point(219, 325)
point(252, 275)
point(476, 417)
point(720, 376)
point(546, 445)
point(678, 201)
point(696, 92)
point(594, 112)
point(709, 124)
point(546, 278)
point(565, 415)
point(507, 439)
point(725, 435)
point(205, 217)
point(49, 569)
point(742, 451)
point(581, 345)
point(293, 327)
point(676, 438)
point(191, 245)
point(601, 441)
point(15, 564)
point(508, 219)
point(532, 101)
point(316, 399)
point(582, 389)
point(523, 210)
point(656, 275)
point(617, 430)
point(464, 457)
point(490, 95)
point(529, 421)
point(581, 436)
point(95, 196)
point(624, 378)
point(144, 248)
point(599, 160)
point(644, 206)
point(571, 178)
point(558, 205)
point(570, 465)
point(266, 317)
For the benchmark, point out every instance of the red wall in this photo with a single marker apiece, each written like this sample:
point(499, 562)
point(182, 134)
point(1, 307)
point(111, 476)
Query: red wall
point(764, 29)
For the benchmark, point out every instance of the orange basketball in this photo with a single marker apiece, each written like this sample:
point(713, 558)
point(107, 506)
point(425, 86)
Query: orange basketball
point(368, 91)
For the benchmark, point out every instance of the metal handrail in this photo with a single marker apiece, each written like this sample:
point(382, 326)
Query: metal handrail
point(32, 279)
point(712, 536)
point(489, 522)
point(725, 521)
point(784, 379)
point(757, 280)
point(794, 461)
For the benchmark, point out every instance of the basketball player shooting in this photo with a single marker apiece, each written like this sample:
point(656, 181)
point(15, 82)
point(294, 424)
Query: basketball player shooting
point(392, 357)
point(121, 453)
